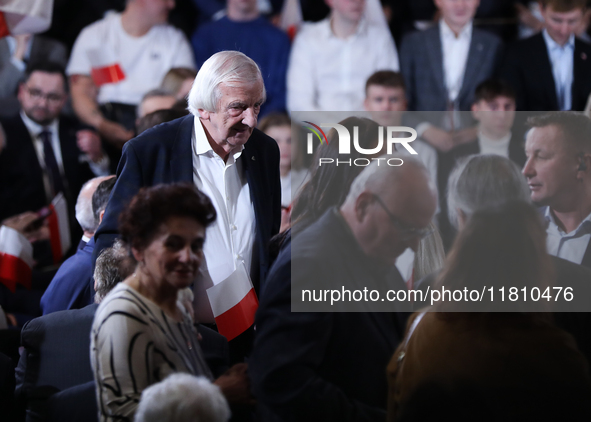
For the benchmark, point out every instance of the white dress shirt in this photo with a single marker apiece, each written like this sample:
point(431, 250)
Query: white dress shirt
point(455, 55)
point(494, 146)
point(561, 59)
point(229, 240)
point(570, 246)
point(328, 73)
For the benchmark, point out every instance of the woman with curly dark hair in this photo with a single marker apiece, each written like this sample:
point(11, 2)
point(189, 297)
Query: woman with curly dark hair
point(141, 333)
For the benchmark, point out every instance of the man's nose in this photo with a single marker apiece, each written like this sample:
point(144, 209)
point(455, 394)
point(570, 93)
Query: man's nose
point(249, 117)
point(528, 168)
point(186, 254)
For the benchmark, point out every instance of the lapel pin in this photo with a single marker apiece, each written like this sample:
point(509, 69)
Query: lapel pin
point(583, 56)
point(252, 158)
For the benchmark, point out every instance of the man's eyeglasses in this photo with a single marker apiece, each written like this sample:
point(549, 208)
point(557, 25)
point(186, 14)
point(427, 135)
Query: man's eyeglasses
point(406, 232)
point(37, 94)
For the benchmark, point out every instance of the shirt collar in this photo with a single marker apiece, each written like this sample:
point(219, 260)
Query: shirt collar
point(446, 32)
point(583, 228)
point(553, 45)
point(35, 128)
point(202, 146)
point(488, 141)
point(361, 29)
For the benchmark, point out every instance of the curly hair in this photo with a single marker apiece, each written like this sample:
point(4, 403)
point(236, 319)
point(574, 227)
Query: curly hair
point(153, 206)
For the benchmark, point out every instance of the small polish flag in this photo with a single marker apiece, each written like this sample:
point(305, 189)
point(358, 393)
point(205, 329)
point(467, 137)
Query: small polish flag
point(104, 67)
point(25, 16)
point(234, 303)
point(59, 227)
point(16, 259)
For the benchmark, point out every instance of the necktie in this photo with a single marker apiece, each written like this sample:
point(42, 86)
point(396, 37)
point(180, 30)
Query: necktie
point(51, 166)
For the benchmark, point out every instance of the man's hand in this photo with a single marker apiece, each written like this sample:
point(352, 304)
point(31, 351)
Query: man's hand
point(439, 138)
point(114, 132)
point(235, 385)
point(89, 143)
point(527, 18)
point(21, 221)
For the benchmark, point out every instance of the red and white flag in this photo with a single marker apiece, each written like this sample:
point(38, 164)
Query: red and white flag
point(16, 259)
point(234, 303)
point(105, 68)
point(59, 227)
point(25, 16)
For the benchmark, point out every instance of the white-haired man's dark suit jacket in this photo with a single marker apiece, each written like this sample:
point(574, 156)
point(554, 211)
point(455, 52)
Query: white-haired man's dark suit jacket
point(421, 61)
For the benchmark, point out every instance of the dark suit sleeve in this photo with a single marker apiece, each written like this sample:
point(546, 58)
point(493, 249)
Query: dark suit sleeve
point(407, 70)
point(285, 365)
point(129, 182)
point(511, 72)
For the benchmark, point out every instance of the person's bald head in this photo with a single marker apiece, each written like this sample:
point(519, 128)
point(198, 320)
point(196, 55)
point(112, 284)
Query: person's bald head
point(84, 213)
point(389, 208)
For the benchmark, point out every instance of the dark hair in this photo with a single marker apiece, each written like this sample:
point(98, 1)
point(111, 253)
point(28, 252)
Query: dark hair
point(100, 197)
point(159, 116)
point(153, 206)
point(328, 185)
point(505, 246)
point(46, 67)
point(273, 120)
point(575, 127)
point(493, 88)
point(562, 6)
point(386, 78)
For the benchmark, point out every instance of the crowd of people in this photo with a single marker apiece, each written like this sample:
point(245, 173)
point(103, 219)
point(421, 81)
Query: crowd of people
point(163, 209)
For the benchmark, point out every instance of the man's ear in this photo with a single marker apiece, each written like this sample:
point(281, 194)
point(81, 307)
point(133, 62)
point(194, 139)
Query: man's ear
point(475, 108)
point(584, 164)
point(204, 114)
point(362, 203)
point(101, 216)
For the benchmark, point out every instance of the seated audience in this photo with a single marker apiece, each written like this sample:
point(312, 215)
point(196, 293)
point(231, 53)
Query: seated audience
point(291, 166)
point(139, 48)
point(558, 172)
point(183, 398)
point(331, 59)
point(141, 334)
point(442, 67)
point(244, 29)
point(71, 288)
point(46, 153)
point(179, 81)
point(550, 70)
point(531, 368)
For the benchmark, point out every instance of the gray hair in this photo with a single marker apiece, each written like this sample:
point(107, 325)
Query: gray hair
point(230, 68)
point(377, 175)
point(84, 214)
point(183, 398)
point(112, 266)
point(480, 182)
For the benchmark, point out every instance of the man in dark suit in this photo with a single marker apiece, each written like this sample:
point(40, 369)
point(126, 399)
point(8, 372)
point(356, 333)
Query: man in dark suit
point(552, 70)
point(443, 65)
point(218, 149)
point(71, 288)
point(319, 363)
point(45, 153)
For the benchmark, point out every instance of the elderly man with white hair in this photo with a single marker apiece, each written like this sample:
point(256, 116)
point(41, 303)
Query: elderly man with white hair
point(218, 149)
point(311, 361)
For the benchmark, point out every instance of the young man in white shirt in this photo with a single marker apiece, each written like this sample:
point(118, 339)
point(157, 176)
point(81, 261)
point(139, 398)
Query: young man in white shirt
point(116, 60)
point(331, 60)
